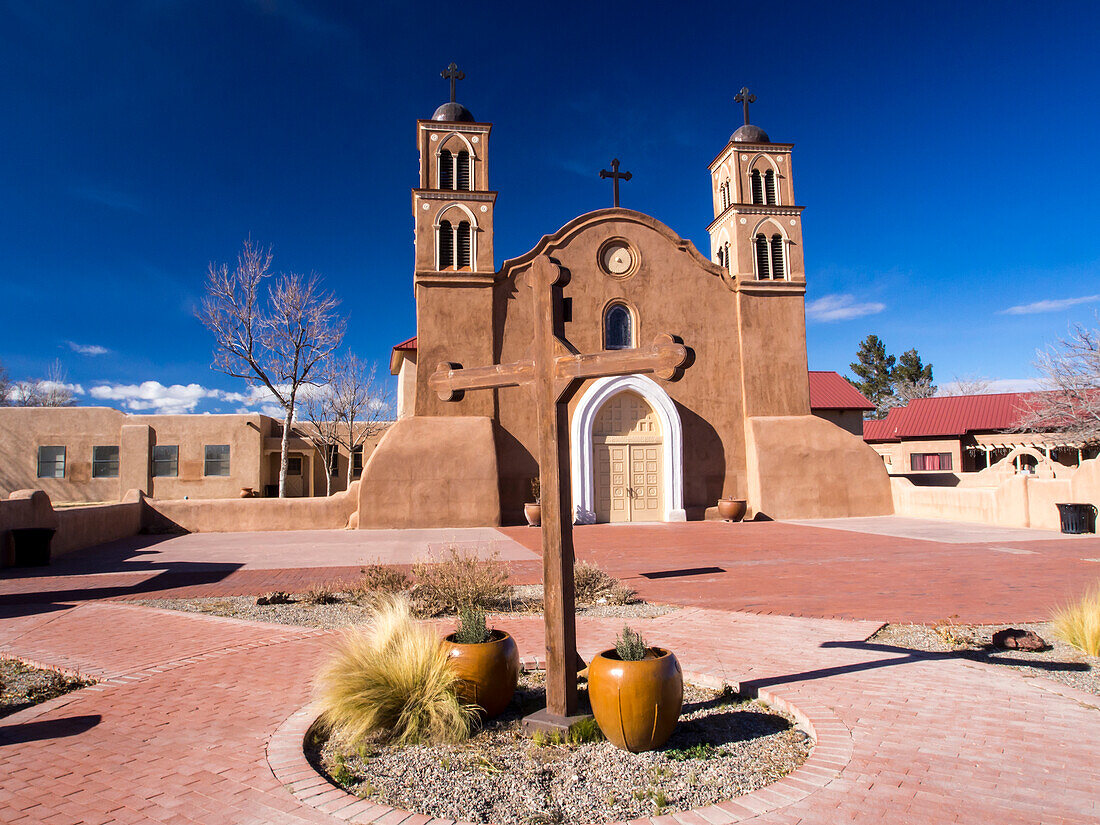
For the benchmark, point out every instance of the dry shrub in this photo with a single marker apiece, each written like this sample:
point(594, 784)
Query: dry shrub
point(275, 597)
point(380, 578)
point(591, 583)
point(622, 594)
point(459, 578)
point(1078, 623)
point(390, 680)
point(320, 594)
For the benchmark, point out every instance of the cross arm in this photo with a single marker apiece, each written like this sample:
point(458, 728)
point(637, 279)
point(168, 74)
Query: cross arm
point(663, 358)
point(449, 380)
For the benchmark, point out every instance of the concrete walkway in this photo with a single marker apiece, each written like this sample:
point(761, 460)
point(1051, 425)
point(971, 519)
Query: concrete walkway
point(177, 730)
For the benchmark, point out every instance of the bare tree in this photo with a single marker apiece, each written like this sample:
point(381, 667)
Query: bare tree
point(52, 391)
point(1069, 372)
point(969, 385)
point(276, 338)
point(5, 388)
point(323, 430)
point(360, 402)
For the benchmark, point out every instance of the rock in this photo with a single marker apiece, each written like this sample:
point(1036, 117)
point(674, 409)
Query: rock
point(1013, 638)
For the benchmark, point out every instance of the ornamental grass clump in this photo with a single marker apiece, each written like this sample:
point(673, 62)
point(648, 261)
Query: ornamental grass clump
point(1078, 623)
point(389, 680)
point(630, 646)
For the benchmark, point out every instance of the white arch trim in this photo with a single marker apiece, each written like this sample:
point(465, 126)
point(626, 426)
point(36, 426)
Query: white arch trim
point(443, 140)
point(775, 224)
point(582, 473)
point(461, 207)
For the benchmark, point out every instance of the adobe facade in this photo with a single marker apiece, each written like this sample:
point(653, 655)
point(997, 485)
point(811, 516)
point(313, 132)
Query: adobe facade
point(737, 423)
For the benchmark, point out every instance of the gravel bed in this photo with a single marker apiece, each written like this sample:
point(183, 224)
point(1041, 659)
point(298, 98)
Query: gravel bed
point(22, 686)
point(527, 600)
point(1062, 663)
point(723, 747)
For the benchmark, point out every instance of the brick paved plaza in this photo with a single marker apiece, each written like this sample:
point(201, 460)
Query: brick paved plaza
point(189, 722)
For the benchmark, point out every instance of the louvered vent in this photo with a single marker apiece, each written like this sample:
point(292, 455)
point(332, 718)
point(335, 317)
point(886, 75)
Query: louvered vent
point(769, 187)
point(464, 175)
point(757, 187)
point(446, 245)
point(446, 170)
point(463, 244)
point(778, 270)
point(763, 270)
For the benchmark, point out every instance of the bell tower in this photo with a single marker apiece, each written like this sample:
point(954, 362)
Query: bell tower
point(454, 266)
point(757, 229)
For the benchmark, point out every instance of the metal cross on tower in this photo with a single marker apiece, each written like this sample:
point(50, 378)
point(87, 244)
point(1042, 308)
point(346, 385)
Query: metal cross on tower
point(552, 371)
point(615, 176)
point(452, 74)
point(744, 97)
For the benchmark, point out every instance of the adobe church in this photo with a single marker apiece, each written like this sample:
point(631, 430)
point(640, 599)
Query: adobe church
point(734, 423)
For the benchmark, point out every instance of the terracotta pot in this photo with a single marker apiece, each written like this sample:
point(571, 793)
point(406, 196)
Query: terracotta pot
point(636, 704)
point(533, 512)
point(488, 672)
point(247, 492)
point(732, 509)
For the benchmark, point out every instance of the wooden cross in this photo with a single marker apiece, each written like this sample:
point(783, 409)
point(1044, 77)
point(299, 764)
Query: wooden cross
point(615, 175)
point(452, 74)
point(743, 97)
point(552, 373)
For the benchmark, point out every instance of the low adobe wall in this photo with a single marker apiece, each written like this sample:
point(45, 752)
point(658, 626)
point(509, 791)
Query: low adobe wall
point(802, 466)
point(232, 515)
point(76, 527)
point(1021, 500)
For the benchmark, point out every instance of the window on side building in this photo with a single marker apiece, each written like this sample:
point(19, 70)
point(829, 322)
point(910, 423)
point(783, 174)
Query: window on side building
point(51, 462)
point(930, 461)
point(104, 462)
point(357, 462)
point(166, 461)
point(217, 460)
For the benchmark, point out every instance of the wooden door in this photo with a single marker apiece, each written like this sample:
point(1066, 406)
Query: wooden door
point(626, 449)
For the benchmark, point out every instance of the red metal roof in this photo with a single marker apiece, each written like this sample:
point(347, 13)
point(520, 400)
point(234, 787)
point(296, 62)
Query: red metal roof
point(405, 346)
point(949, 415)
point(832, 391)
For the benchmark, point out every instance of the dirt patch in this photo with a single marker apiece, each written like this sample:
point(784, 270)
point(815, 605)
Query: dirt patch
point(22, 686)
point(1062, 663)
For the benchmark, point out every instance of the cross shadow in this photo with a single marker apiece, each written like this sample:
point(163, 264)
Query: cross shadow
point(47, 729)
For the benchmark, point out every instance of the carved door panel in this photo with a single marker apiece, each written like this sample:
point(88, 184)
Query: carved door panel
point(645, 482)
point(612, 498)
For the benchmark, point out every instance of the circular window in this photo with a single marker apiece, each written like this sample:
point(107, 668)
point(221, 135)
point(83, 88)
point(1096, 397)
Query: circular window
point(618, 258)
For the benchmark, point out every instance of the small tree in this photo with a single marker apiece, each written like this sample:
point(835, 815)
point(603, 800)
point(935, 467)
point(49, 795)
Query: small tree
point(52, 391)
point(322, 433)
point(1069, 371)
point(5, 387)
point(914, 375)
point(277, 338)
point(360, 403)
point(968, 385)
point(874, 370)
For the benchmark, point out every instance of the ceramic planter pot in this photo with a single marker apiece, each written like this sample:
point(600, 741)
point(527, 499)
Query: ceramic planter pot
point(732, 509)
point(533, 512)
point(246, 492)
point(487, 672)
point(636, 704)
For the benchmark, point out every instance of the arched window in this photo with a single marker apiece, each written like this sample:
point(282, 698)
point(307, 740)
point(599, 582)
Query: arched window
point(757, 186)
point(726, 255)
point(779, 270)
point(763, 260)
point(724, 194)
point(464, 244)
point(446, 245)
point(446, 170)
point(721, 256)
point(770, 193)
point(463, 175)
point(618, 328)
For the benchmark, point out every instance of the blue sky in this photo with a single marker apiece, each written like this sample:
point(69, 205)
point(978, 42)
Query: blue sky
point(946, 155)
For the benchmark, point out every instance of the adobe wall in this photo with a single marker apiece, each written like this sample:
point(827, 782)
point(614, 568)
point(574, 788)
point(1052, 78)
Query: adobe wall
point(850, 420)
point(77, 527)
point(802, 466)
point(432, 472)
point(674, 290)
point(253, 514)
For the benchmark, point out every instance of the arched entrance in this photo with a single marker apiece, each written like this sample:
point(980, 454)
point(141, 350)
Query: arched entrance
point(626, 448)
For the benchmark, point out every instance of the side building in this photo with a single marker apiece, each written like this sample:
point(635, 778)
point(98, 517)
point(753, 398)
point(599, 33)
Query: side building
point(97, 454)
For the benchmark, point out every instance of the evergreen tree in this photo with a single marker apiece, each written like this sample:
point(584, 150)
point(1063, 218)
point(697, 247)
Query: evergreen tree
point(874, 370)
point(911, 370)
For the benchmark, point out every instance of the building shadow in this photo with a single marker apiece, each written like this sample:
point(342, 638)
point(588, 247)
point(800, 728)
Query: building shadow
point(20, 734)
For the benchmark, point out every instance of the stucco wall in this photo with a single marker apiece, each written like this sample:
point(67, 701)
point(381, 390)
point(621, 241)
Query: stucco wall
point(77, 527)
point(804, 467)
point(432, 472)
point(253, 514)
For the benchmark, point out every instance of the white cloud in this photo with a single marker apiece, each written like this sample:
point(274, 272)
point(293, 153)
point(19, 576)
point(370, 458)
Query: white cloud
point(1049, 305)
point(996, 385)
point(840, 308)
point(87, 349)
point(153, 395)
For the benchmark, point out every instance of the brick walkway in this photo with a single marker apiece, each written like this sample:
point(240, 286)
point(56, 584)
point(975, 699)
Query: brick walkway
point(176, 731)
point(768, 567)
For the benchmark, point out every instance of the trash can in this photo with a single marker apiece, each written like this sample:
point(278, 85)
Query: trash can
point(31, 546)
point(1077, 518)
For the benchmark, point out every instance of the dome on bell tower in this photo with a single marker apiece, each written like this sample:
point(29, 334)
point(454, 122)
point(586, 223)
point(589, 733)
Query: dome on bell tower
point(454, 112)
point(750, 134)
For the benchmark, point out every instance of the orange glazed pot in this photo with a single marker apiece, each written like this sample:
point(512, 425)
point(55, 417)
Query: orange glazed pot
point(487, 672)
point(636, 704)
point(533, 514)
